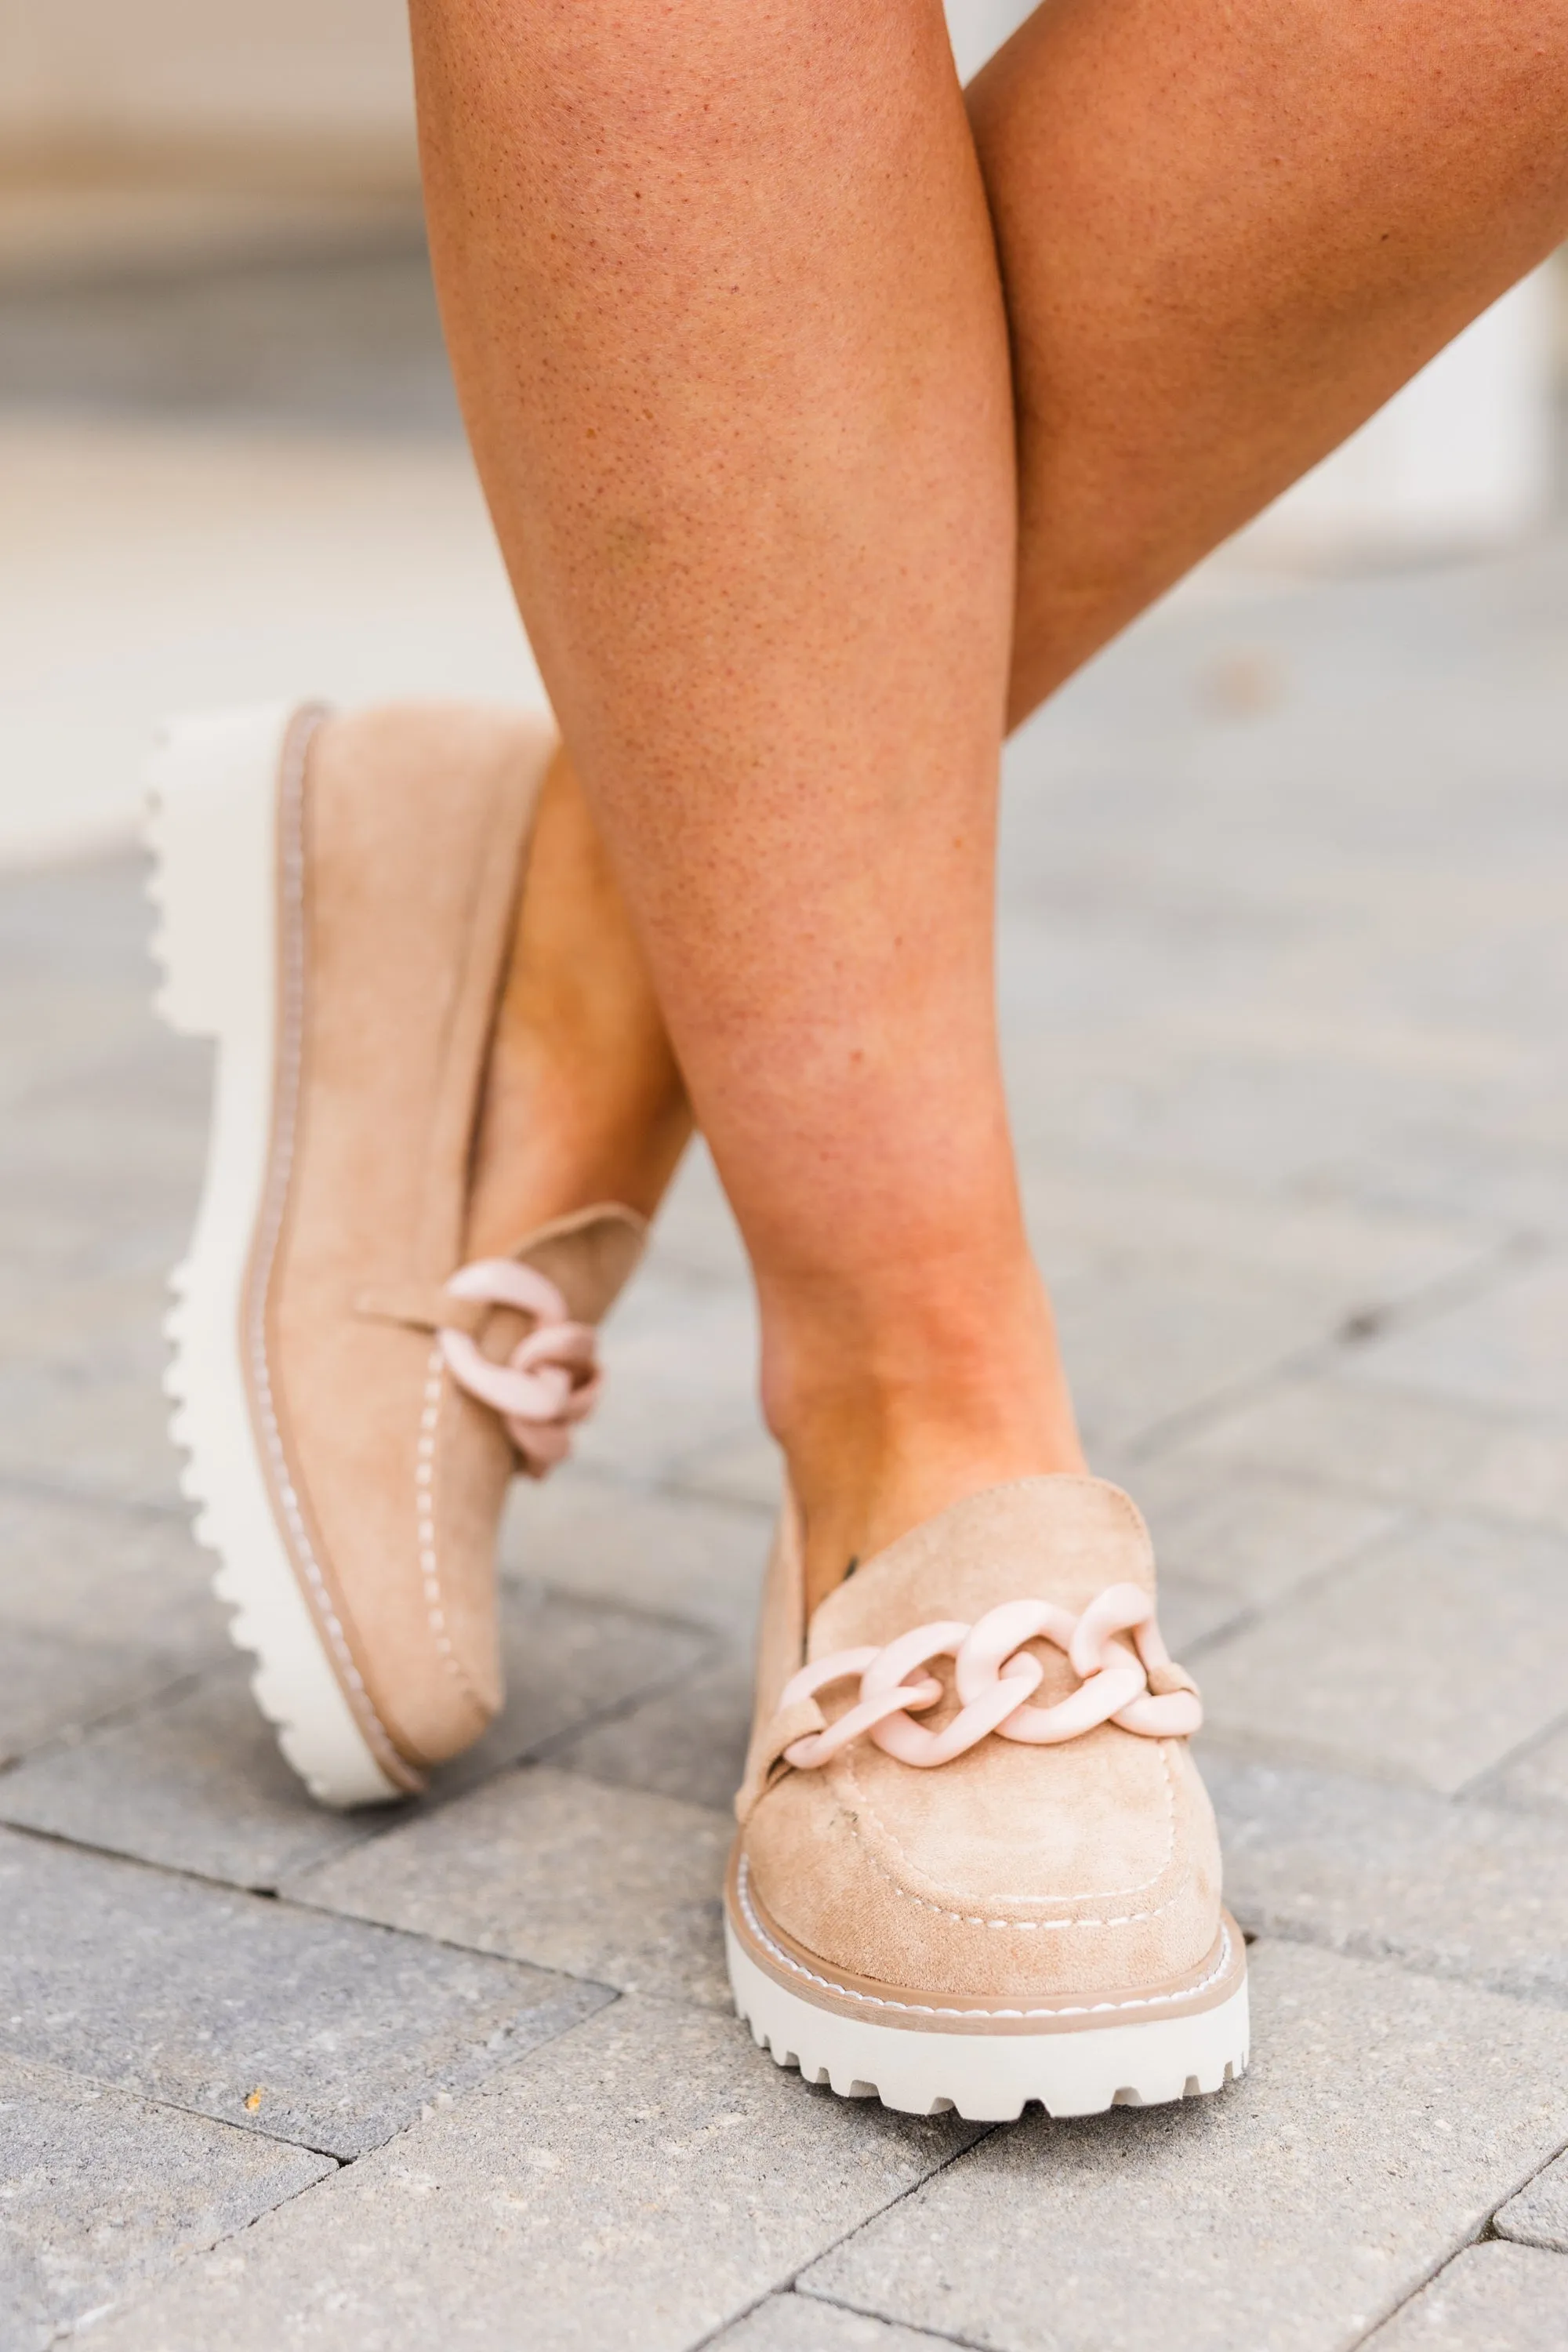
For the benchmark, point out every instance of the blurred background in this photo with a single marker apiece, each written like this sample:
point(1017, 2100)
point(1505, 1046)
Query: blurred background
point(231, 463)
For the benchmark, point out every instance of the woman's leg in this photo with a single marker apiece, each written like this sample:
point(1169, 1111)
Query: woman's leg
point(721, 294)
point(1257, 227)
point(1228, 233)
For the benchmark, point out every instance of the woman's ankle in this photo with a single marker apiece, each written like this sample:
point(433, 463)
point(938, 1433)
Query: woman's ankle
point(879, 1438)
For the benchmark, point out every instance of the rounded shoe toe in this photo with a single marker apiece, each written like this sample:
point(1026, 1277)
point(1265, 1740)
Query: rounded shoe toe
point(1013, 1874)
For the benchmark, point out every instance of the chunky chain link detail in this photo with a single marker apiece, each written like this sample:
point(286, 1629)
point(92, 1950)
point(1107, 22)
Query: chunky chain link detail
point(1137, 1686)
point(551, 1378)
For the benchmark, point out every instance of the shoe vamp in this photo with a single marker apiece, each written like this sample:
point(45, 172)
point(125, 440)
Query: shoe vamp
point(402, 952)
point(1019, 1827)
point(1011, 1823)
point(1014, 1872)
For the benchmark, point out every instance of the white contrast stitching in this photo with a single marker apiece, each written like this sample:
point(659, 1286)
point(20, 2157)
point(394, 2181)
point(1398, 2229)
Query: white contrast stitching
point(427, 1457)
point(931, 2008)
point(424, 1508)
point(269, 1227)
point(1024, 1927)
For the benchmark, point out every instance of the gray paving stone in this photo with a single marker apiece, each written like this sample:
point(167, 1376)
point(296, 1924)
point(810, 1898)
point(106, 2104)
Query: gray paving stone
point(72, 1212)
point(1453, 1889)
point(1433, 1657)
point(614, 1884)
point(1230, 1540)
point(798, 2323)
point(1536, 1778)
point(747, 1469)
point(570, 1662)
point(109, 1063)
point(1514, 1173)
point(340, 2031)
point(198, 1783)
point(1492, 2298)
point(1384, 2116)
point(102, 1608)
point(50, 1687)
point(1148, 1339)
point(680, 1364)
point(1173, 1296)
point(1192, 1613)
point(632, 1544)
point(1255, 1533)
point(103, 2192)
point(1282, 1062)
point(81, 1402)
point(1508, 1346)
point(1148, 1094)
point(1538, 2216)
point(48, 1031)
point(1253, 1064)
point(136, 1579)
point(73, 1044)
point(642, 2181)
point(1428, 1450)
point(1350, 1253)
point(689, 1741)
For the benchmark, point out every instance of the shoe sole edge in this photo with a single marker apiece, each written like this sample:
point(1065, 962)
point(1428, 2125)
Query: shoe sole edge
point(990, 2077)
point(212, 835)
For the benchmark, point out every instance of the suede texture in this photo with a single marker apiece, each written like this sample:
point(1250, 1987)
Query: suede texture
point(415, 823)
point(1014, 1872)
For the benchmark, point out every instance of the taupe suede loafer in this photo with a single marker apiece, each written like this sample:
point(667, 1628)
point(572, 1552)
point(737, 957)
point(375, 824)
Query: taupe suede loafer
point(337, 898)
point(976, 1865)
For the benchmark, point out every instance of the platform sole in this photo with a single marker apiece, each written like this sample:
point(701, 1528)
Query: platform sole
point(932, 2068)
point(214, 834)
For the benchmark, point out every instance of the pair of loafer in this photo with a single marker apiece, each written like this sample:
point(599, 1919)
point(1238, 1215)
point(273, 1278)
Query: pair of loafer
point(975, 1865)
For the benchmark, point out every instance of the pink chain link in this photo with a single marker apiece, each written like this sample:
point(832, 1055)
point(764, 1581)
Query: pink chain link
point(996, 1676)
point(551, 1377)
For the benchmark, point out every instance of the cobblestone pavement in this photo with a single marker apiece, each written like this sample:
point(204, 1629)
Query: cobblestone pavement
point(1285, 973)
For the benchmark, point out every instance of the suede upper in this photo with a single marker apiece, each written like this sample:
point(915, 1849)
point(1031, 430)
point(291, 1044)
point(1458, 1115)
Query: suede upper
point(414, 825)
point(1014, 1871)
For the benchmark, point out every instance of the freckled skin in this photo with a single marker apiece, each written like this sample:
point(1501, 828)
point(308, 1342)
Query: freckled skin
point(812, 473)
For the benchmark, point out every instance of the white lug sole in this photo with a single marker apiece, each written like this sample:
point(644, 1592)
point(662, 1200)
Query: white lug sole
point(213, 833)
point(990, 2077)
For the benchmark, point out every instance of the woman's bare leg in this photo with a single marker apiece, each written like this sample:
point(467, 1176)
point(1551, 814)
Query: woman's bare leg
point(721, 294)
point(1228, 233)
point(1257, 227)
